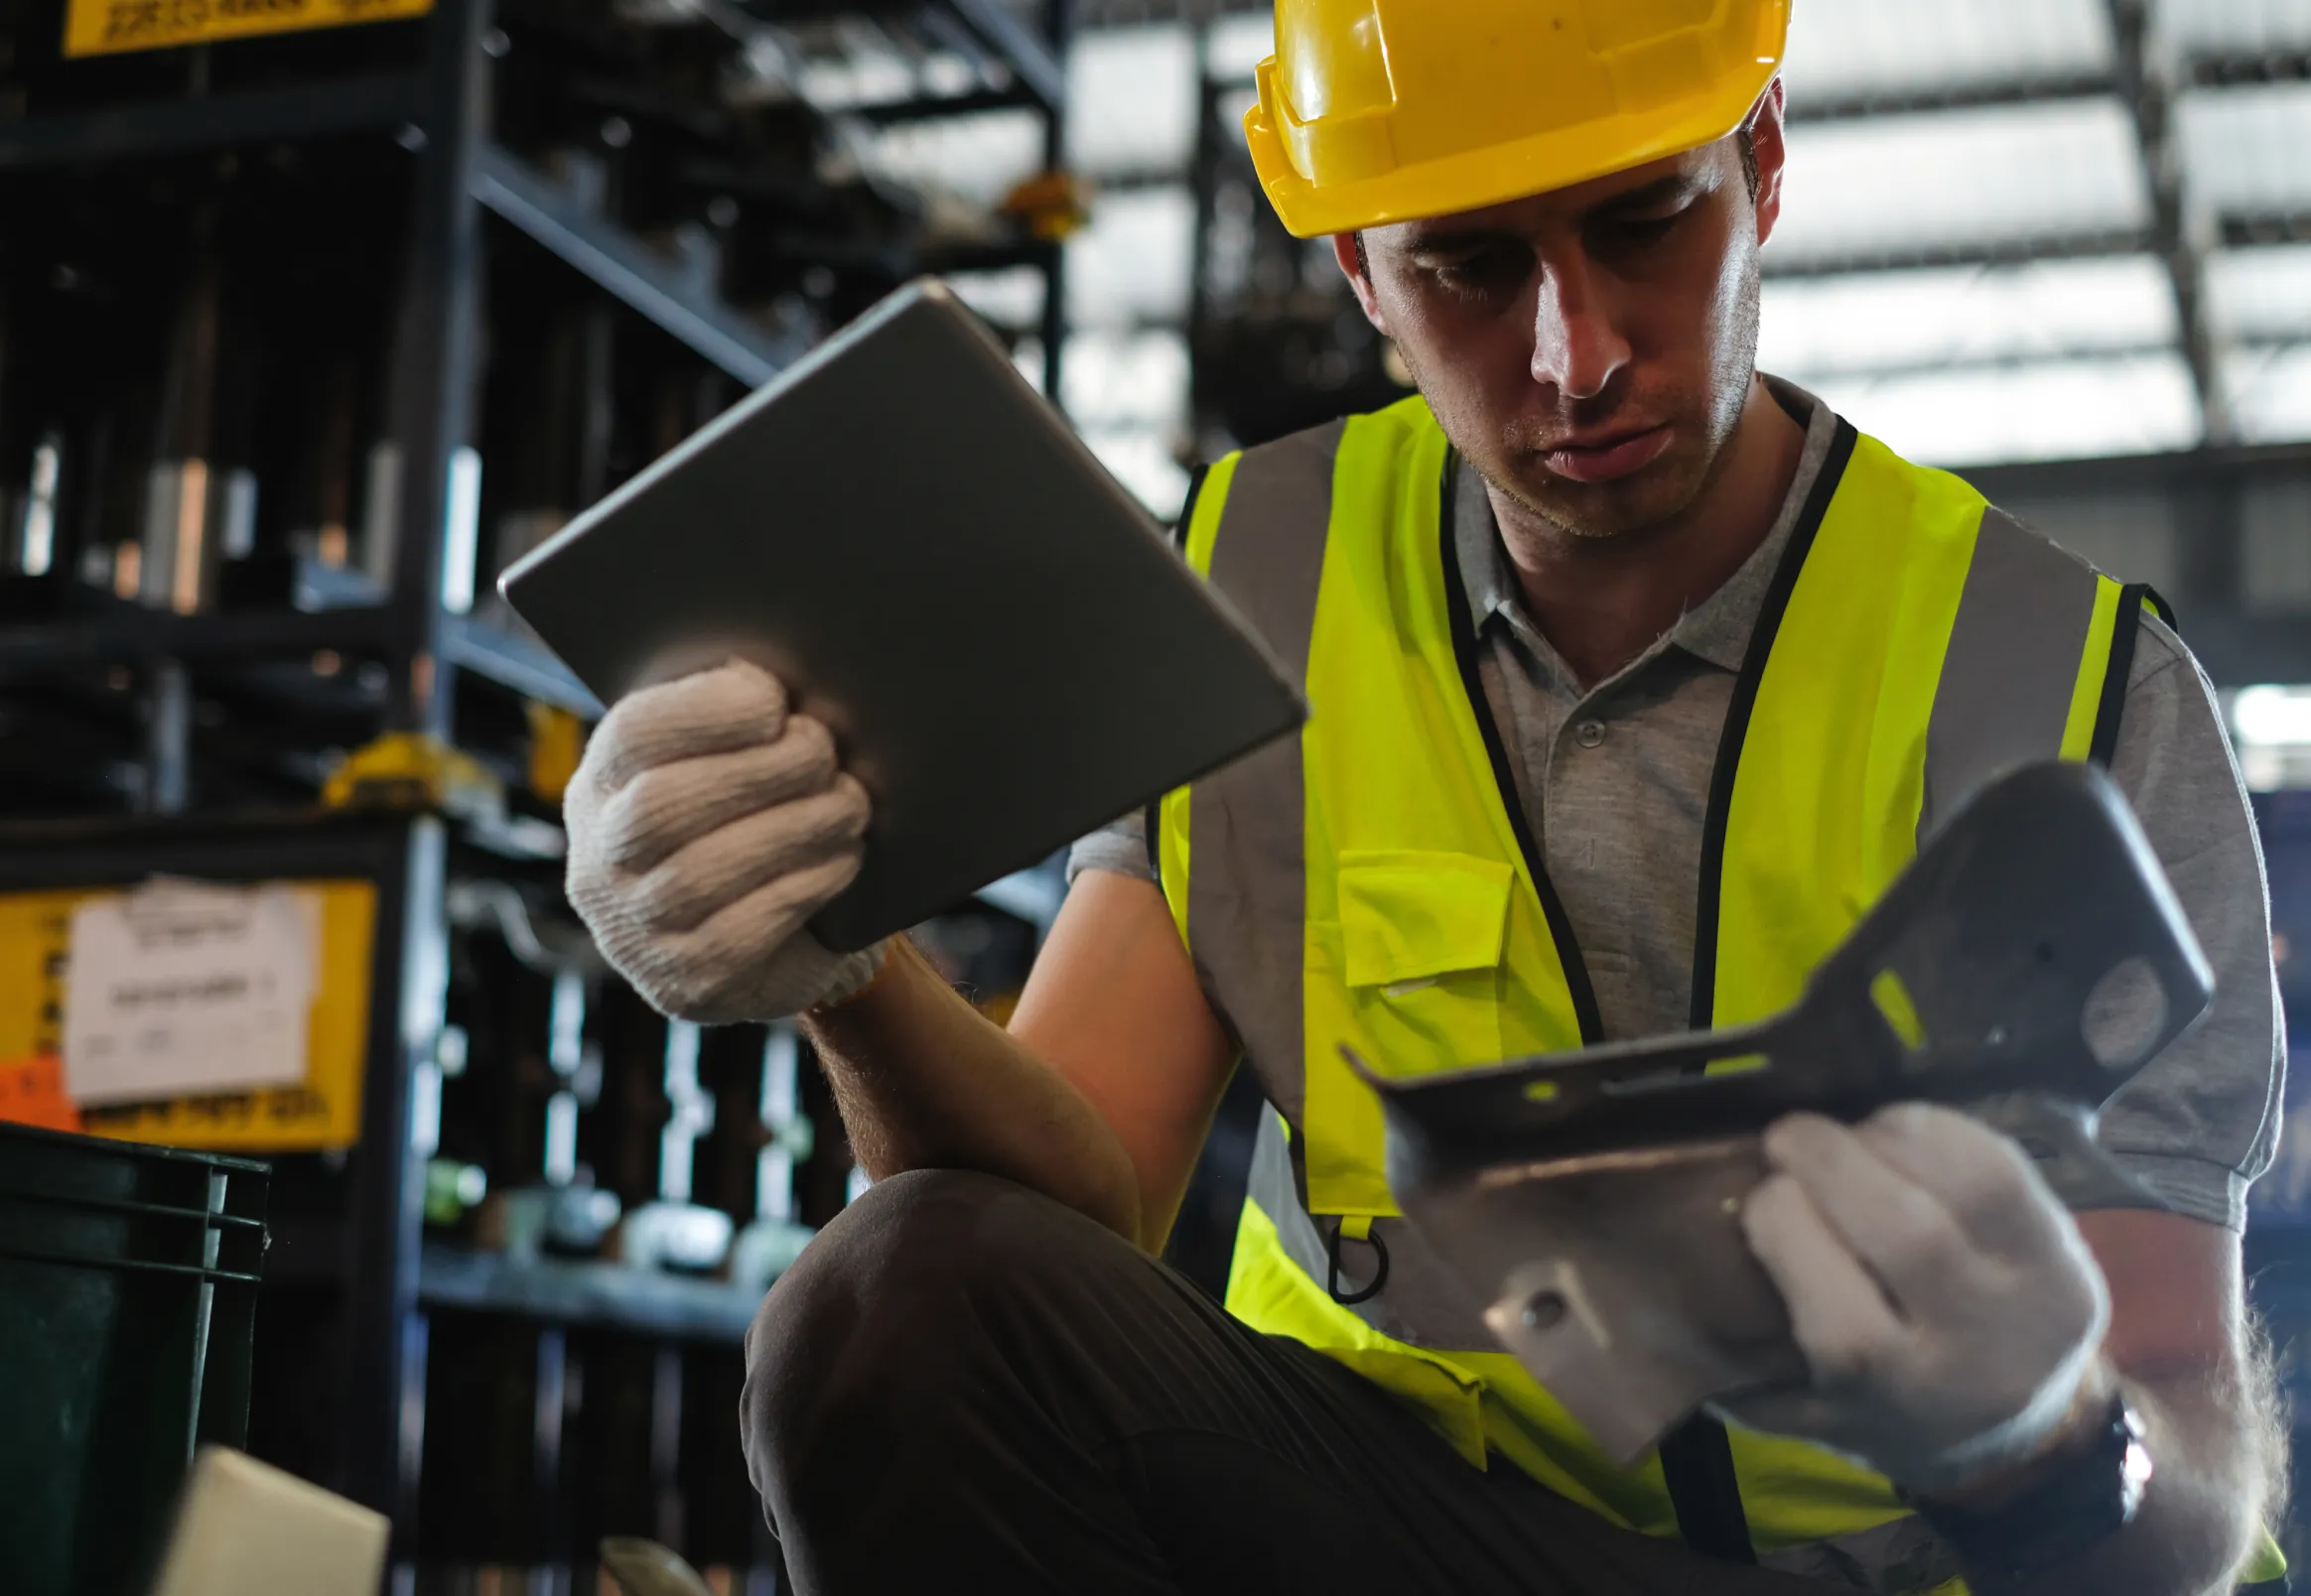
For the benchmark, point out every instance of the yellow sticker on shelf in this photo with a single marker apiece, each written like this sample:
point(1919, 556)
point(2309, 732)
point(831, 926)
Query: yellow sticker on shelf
point(557, 743)
point(109, 27)
point(324, 1113)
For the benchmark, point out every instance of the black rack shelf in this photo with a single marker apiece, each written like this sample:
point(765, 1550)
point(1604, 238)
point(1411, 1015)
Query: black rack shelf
point(626, 269)
point(250, 116)
point(574, 1291)
point(890, 114)
point(1036, 65)
point(132, 634)
point(461, 347)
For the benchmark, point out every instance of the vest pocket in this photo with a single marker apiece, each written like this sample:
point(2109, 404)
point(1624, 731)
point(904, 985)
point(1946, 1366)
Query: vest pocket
point(1422, 935)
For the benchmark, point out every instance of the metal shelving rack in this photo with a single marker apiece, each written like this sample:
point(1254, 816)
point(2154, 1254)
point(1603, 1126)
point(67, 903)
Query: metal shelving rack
point(371, 1254)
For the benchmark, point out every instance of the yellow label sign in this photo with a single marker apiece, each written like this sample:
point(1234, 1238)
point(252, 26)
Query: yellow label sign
point(109, 27)
point(36, 931)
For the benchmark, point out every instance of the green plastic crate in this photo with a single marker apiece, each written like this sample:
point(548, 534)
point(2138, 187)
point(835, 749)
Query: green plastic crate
point(128, 1282)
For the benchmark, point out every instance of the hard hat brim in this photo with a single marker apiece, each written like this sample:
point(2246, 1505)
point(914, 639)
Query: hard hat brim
point(1541, 163)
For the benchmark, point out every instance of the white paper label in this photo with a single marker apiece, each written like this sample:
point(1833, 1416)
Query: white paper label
point(179, 989)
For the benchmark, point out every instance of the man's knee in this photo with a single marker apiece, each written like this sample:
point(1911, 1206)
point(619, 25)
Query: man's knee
point(907, 1251)
point(901, 1308)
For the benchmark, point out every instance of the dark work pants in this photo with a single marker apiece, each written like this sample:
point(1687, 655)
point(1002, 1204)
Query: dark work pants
point(963, 1387)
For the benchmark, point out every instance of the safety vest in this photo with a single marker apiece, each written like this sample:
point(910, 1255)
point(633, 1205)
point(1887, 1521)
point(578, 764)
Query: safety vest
point(1376, 883)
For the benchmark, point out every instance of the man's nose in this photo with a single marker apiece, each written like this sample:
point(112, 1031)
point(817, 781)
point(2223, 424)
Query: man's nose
point(1576, 348)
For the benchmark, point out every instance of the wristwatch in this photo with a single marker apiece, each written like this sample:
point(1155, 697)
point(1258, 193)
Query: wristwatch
point(2090, 1496)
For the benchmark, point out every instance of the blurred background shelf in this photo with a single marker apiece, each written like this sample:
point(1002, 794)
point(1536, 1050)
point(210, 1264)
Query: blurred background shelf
point(388, 101)
point(130, 633)
point(622, 267)
point(581, 1294)
point(307, 337)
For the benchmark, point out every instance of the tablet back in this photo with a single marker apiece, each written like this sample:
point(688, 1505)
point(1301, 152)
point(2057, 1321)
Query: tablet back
point(900, 528)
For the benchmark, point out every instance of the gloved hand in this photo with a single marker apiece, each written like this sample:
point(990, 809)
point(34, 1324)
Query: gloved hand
point(707, 826)
point(1950, 1310)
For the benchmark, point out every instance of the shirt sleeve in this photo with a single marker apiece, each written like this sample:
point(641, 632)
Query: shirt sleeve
point(1121, 847)
point(2201, 1122)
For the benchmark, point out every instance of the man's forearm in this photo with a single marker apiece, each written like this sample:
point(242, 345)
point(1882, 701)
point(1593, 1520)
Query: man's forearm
point(923, 1081)
point(2211, 1461)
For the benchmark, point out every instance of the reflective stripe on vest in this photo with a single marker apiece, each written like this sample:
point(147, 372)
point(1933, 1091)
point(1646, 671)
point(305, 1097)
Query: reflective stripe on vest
point(1375, 883)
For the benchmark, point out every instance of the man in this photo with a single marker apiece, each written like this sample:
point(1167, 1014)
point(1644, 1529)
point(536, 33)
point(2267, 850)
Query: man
point(1636, 677)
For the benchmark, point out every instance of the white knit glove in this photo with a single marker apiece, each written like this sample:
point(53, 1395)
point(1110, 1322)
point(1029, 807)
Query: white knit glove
point(707, 826)
point(1946, 1303)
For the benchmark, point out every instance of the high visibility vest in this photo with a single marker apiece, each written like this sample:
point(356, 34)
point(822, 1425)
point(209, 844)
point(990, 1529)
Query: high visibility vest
point(1376, 883)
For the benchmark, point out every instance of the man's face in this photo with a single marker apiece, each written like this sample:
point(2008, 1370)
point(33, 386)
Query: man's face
point(1588, 350)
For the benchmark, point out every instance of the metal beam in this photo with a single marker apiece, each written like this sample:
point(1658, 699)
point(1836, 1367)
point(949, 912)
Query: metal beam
point(1035, 64)
point(2147, 86)
point(1953, 97)
point(2240, 635)
point(2198, 71)
point(890, 114)
point(2086, 245)
point(2246, 228)
point(626, 268)
point(2269, 67)
point(1059, 33)
point(2201, 72)
point(2230, 230)
point(128, 633)
point(2000, 365)
point(1092, 14)
point(2151, 475)
point(349, 105)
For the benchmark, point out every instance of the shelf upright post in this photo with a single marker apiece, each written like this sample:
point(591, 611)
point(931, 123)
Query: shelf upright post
point(168, 710)
point(1206, 169)
point(1203, 186)
point(433, 379)
point(385, 1342)
point(430, 408)
point(1059, 30)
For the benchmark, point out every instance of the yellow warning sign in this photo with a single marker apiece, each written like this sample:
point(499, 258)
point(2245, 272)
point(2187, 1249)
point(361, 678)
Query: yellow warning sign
point(36, 930)
point(109, 27)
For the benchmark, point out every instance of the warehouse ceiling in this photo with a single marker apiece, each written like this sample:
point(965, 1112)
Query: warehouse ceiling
point(2017, 230)
point(2031, 228)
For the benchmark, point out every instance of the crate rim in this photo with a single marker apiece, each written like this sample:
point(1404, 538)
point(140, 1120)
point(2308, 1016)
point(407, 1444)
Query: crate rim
point(11, 1130)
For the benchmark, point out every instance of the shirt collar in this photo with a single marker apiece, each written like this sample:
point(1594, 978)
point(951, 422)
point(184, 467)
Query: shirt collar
point(1718, 628)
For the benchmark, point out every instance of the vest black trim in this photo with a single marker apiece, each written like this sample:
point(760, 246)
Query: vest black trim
point(2125, 629)
point(1696, 1464)
point(1745, 689)
point(1180, 534)
point(1568, 955)
point(1696, 1458)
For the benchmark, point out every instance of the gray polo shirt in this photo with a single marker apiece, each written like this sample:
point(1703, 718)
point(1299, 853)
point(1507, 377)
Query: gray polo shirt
point(1615, 780)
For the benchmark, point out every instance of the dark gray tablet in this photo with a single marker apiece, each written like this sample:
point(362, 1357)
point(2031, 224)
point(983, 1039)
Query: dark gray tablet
point(900, 528)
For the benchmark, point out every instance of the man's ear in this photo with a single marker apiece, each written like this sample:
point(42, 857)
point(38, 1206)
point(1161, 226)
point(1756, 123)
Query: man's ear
point(1348, 252)
point(1766, 125)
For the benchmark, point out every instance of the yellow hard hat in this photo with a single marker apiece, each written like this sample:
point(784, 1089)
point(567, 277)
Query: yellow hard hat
point(1373, 111)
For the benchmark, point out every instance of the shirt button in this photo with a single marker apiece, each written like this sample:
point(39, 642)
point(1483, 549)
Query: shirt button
point(1589, 733)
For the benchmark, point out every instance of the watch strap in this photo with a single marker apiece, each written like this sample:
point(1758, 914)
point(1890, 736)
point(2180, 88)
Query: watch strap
point(2092, 1495)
